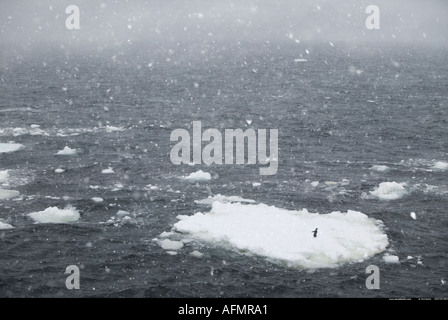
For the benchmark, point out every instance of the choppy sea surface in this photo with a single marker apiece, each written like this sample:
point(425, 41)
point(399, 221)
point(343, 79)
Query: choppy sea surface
point(349, 118)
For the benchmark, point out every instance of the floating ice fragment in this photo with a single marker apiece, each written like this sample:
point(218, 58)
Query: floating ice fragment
point(440, 165)
point(285, 236)
point(390, 258)
point(56, 215)
point(168, 244)
point(10, 147)
point(5, 226)
point(67, 151)
point(8, 194)
point(199, 176)
point(390, 191)
point(108, 170)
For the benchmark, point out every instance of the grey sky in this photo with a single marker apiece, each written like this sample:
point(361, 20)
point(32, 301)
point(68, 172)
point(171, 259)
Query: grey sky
point(27, 22)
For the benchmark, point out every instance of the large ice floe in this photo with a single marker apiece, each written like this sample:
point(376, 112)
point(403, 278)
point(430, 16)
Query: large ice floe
point(56, 215)
point(285, 236)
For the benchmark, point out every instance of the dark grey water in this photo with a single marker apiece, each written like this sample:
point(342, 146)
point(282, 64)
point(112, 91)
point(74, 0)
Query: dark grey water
point(343, 111)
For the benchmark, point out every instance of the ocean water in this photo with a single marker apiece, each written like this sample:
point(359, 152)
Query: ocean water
point(361, 127)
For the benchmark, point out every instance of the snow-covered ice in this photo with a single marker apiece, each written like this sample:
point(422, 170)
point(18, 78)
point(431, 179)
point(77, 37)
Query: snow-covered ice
point(67, 151)
point(168, 244)
point(55, 215)
point(10, 147)
point(108, 170)
point(390, 191)
point(379, 168)
point(199, 176)
point(5, 226)
point(285, 236)
point(8, 194)
point(441, 165)
point(4, 176)
point(220, 198)
point(390, 258)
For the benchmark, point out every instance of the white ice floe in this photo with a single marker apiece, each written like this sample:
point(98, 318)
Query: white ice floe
point(59, 170)
point(390, 258)
point(67, 151)
point(5, 226)
point(4, 176)
point(168, 244)
point(196, 254)
point(114, 129)
point(379, 168)
point(413, 215)
point(108, 170)
point(97, 199)
point(10, 147)
point(300, 60)
point(199, 176)
point(256, 184)
point(390, 191)
point(56, 215)
point(122, 214)
point(440, 165)
point(8, 194)
point(285, 236)
point(223, 199)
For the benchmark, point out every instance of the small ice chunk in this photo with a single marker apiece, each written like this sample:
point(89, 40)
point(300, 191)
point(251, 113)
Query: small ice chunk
point(440, 165)
point(168, 244)
point(55, 215)
point(300, 60)
point(122, 213)
point(5, 226)
point(113, 129)
point(379, 168)
point(224, 199)
point(413, 215)
point(4, 176)
point(8, 194)
point(67, 151)
point(196, 254)
point(390, 258)
point(10, 147)
point(34, 126)
point(315, 183)
point(199, 176)
point(166, 234)
point(97, 199)
point(59, 170)
point(173, 253)
point(256, 184)
point(389, 191)
point(108, 170)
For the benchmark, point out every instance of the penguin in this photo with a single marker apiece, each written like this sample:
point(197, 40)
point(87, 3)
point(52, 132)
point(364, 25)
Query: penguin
point(314, 233)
